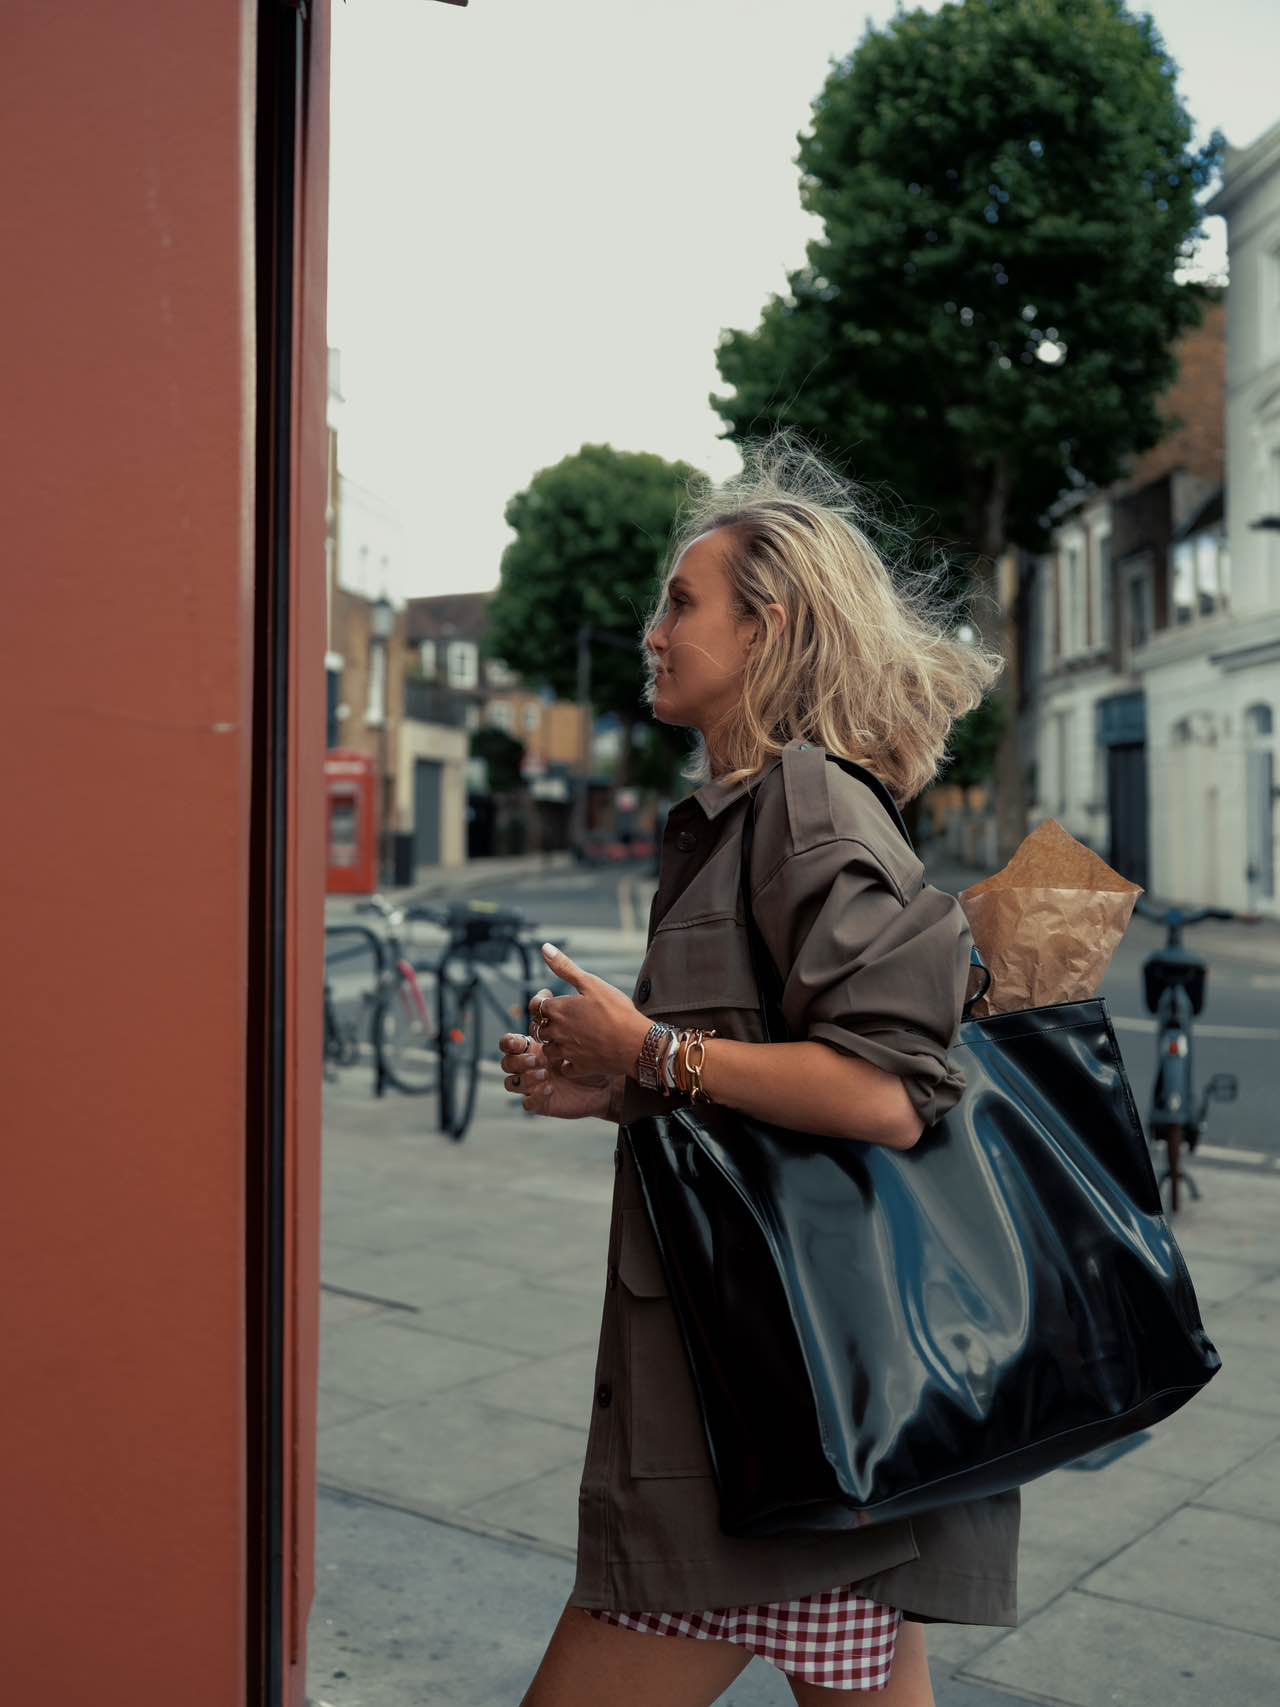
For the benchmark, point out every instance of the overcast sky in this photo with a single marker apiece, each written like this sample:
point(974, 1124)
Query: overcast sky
point(544, 211)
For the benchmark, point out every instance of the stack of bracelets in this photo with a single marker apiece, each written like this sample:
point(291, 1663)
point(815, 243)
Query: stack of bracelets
point(667, 1060)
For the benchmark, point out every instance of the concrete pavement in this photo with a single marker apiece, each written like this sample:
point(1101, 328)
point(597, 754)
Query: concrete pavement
point(462, 1295)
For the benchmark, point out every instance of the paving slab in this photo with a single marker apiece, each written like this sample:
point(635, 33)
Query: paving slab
point(587, 1277)
point(1248, 1318)
point(1214, 1566)
point(1086, 1651)
point(333, 1408)
point(381, 1364)
point(425, 1275)
point(441, 1454)
point(1095, 1513)
point(1219, 1279)
point(529, 1319)
point(1253, 1490)
point(1204, 1441)
point(557, 1389)
point(1246, 1381)
point(544, 1509)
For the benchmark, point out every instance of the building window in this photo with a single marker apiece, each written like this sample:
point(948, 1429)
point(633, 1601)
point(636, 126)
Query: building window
point(427, 658)
point(462, 664)
point(1100, 585)
point(532, 717)
point(1046, 606)
point(1074, 593)
point(1136, 608)
point(1201, 573)
point(471, 715)
point(500, 714)
point(376, 710)
point(498, 673)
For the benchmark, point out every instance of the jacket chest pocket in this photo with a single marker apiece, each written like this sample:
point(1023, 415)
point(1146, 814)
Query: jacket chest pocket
point(697, 965)
point(664, 1423)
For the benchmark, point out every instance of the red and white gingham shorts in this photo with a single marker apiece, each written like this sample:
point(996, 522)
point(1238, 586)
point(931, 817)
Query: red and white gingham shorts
point(836, 1638)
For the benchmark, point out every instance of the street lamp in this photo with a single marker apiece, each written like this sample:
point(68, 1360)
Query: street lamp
point(382, 625)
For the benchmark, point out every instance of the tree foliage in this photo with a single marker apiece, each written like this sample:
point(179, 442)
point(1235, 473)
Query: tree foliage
point(974, 741)
point(502, 754)
point(998, 182)
point(590, 537)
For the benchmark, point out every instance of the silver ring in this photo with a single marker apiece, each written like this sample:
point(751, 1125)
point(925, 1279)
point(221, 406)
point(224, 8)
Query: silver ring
point(537, 1033)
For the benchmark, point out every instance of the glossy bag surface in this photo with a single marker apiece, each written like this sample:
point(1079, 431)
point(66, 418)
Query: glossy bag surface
point(873, 1332)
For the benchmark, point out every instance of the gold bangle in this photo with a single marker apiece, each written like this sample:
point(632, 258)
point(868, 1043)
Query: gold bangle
point(682, 1063)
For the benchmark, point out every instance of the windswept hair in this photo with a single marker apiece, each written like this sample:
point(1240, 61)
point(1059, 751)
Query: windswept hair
point(868, 664)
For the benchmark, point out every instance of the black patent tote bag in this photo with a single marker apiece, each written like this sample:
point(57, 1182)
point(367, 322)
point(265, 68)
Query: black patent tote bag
point(874, 1333)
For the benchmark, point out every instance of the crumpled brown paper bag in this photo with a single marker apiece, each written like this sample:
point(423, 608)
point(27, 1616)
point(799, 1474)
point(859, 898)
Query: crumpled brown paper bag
point(1048, 923)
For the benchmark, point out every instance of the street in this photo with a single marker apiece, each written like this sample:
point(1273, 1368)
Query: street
point(462, 1288)
point(600, 915)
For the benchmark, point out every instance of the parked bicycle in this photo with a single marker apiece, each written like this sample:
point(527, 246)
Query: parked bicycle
point(481, 934)
point(428, 1012)
point(342, 1033)
point(1174, 980)
point(407, 1014)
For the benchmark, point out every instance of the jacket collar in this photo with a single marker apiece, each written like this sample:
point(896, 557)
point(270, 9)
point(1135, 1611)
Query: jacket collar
point(715, 796)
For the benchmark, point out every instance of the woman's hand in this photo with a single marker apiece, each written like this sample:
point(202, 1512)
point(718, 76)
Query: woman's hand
point(596, 1031)
point(526, 1074)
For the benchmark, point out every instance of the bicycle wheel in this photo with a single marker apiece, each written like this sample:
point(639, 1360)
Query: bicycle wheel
point(404, 1032)
point(461, 1061)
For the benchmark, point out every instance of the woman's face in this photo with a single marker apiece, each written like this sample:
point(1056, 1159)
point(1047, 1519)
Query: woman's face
point(697, 651)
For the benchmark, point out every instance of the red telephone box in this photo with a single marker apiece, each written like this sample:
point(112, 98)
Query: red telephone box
point(351, 831)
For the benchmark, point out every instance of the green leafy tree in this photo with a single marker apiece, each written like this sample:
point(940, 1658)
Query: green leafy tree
point(590, 537)
point(1007, 190)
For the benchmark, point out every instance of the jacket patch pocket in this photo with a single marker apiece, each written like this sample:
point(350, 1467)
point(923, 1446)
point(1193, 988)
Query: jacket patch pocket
point(664, 1422)
point(699, 963)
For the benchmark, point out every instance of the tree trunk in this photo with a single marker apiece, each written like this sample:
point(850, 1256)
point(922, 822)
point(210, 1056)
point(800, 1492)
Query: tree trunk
point(998, 594)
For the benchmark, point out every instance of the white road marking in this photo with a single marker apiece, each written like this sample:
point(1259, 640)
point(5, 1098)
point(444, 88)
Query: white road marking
point(1229, 1153)
point(1204, 1028)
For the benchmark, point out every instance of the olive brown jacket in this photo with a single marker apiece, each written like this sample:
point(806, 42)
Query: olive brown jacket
point(875, 963)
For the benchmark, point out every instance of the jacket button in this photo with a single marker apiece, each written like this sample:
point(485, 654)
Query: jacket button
point(686, 840)
point(643, 989)
point(604, 1395)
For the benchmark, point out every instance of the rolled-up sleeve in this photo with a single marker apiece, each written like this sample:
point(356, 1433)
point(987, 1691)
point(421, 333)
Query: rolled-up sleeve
point(868, 971)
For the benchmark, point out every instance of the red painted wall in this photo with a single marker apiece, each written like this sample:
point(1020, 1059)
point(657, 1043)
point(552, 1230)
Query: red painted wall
point(128, 131)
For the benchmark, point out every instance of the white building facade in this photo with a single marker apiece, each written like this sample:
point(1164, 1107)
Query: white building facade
point(1212, 673)
point(1071, 631)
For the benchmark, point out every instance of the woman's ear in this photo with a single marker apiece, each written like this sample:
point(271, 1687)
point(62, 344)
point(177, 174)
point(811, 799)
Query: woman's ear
point(778, 623)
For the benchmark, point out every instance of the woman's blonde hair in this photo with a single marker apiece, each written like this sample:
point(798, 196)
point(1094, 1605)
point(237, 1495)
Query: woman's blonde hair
point(868, 664)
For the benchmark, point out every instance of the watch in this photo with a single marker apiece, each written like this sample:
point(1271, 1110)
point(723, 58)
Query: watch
point(649, 1060)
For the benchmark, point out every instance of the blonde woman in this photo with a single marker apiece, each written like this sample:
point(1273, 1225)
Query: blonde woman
point(779, 635)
